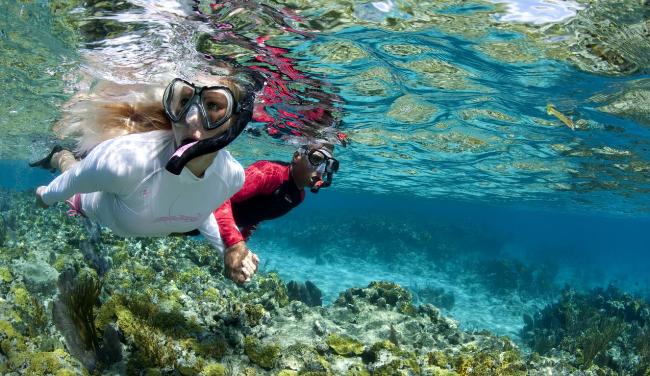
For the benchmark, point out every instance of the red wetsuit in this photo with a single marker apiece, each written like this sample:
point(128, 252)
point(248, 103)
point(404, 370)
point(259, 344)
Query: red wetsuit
point(268, 192)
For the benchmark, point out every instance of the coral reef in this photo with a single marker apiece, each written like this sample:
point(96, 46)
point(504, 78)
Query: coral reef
point(165, 308)
point(605, 331)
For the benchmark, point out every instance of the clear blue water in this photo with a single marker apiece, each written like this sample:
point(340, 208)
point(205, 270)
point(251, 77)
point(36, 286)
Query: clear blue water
point(452, 160)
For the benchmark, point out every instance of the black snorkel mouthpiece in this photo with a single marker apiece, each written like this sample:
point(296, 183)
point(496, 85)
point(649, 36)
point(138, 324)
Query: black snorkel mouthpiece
point(316, 186)
point(186, 153)
point(331, 167)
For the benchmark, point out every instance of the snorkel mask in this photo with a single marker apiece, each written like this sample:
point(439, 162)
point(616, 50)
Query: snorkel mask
point(321, 160)
point(215, 106)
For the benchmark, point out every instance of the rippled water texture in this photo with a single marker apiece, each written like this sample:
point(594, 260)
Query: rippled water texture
point(468, 100)
point(37, 53)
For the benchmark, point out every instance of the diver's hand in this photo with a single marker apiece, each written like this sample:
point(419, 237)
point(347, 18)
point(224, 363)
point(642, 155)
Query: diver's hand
point(240, 263)
point(39, 197)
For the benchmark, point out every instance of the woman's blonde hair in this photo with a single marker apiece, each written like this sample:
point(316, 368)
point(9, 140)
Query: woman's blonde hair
point(110, 110)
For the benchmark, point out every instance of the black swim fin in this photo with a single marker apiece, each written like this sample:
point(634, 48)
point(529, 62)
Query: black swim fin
point(45, 162)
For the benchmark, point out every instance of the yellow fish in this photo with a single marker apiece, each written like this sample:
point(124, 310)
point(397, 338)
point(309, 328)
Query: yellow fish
point(551, 110)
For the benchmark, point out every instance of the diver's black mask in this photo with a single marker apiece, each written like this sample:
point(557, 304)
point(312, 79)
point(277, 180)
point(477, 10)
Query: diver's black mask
point(216, 105)
point(322, 161)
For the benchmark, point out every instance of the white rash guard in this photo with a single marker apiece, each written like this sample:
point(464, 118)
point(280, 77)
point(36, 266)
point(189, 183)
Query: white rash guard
point(124, 186)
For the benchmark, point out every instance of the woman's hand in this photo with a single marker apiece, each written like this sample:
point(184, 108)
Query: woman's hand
point(240, 263)
point(39, 197)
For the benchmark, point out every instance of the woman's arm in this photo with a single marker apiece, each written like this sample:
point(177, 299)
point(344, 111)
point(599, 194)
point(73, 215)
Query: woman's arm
point(105, 168)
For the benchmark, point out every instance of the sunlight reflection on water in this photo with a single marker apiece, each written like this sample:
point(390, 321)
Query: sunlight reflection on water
point(538, 11)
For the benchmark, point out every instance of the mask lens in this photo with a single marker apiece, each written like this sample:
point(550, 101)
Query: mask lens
point(316, 158)
point(179, 98)
point(218, 105)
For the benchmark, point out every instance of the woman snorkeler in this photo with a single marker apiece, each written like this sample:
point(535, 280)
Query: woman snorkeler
point(156, 167)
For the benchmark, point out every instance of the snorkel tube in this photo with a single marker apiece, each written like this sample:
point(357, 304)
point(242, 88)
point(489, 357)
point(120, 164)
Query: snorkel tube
point(186, 153)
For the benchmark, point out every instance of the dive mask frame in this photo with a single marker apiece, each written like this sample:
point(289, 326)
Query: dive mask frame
point(327, 167)
point(197, 100)
point(243, 109)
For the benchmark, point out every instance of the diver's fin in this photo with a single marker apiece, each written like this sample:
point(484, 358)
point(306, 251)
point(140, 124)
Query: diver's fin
point(45, 162)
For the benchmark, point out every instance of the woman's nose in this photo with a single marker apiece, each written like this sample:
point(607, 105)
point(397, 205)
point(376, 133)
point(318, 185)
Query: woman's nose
point(193, 118)
point(193, 121)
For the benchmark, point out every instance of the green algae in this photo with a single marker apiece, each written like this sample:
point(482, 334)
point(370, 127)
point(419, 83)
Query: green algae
point(391, 292)
point(211, 293)
point(21, 296)
point(5, 275)
point(254, 314)
point(214, 369)
point(21, 357)
point(400, 361)
point(343, 345)
point(490, 363)
point(270, 284)
point(357, 370)
point(302, 356)
point(438, 358)
point(142, 307)
point(10, 340)
point(155, 349)
point(55, 362)
point(264, 355)
point(212, 347)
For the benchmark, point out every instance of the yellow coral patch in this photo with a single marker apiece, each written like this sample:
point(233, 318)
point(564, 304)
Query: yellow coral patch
point(344, 345)
point(5, 275)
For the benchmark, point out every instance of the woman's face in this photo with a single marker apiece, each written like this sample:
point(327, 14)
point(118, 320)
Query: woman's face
point(191, 127)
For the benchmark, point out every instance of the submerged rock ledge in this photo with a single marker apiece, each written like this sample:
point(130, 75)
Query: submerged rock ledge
point(164, 307)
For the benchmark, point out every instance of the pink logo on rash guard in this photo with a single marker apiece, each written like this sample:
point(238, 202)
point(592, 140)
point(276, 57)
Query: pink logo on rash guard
point(178, 218)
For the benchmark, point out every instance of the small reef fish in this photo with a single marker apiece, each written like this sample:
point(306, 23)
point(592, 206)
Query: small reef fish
point(551, 110)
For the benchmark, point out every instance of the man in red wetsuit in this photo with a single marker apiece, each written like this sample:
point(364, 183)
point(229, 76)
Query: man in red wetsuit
point(271, 189)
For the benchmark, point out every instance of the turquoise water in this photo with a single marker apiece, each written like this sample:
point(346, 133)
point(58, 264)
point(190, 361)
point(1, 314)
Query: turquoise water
point(456, 181)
